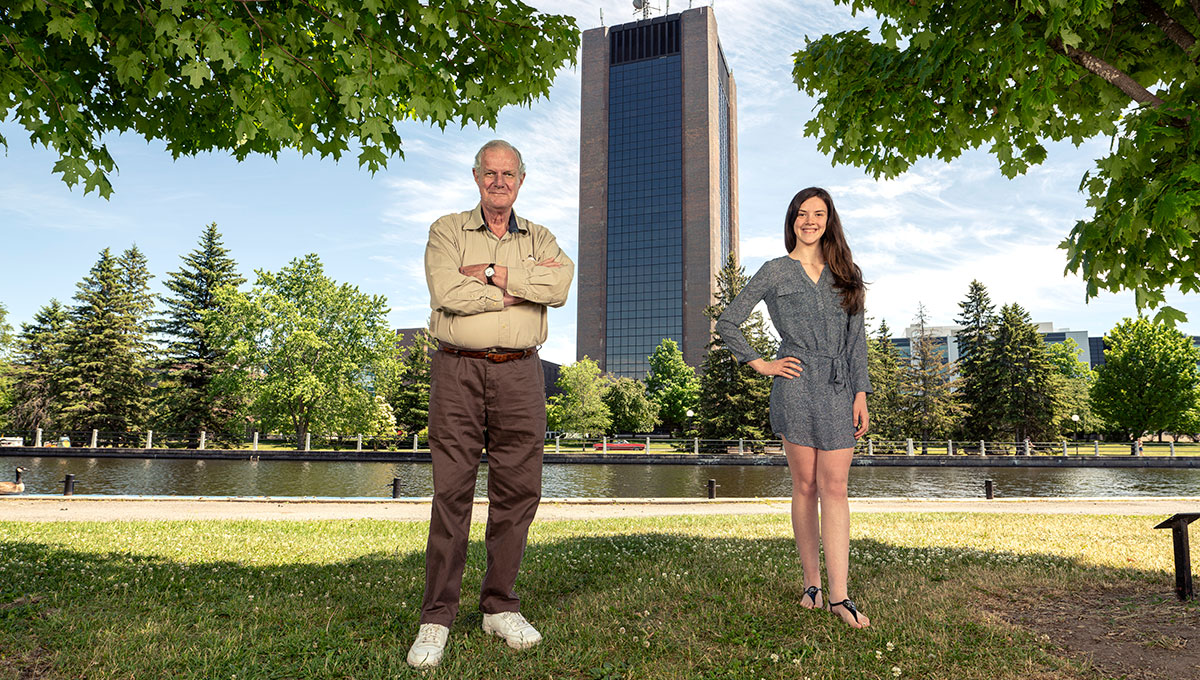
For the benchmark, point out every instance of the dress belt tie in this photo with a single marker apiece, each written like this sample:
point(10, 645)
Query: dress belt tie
point(839, 364)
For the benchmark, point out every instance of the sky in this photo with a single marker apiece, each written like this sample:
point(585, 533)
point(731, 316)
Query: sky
point(920, 238)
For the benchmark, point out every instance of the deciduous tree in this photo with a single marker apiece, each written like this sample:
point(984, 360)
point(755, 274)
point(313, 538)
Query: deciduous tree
point(673, 385)
point(946, 77)
point(259, 77)
point(1148, 379)
point(303, 349)
point(410, 391)
point(630, 408)
point(580, 408)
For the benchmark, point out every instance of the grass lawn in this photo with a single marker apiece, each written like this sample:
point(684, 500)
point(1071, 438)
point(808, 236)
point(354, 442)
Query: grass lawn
point(952, 596)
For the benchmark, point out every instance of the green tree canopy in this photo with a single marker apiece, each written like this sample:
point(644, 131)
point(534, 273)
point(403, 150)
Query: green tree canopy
point(1148, 379)
point(303, 349)
point(190, 359)
point(580, 408)
point(1021, 388)
point(734, 400)
point(1074, 377)
point(673, 385)
point(6, 369)
point(931, 408)
point(630, 408)
point(946, 77)
point(410, 390)
point(977, 316)
point(259, 77)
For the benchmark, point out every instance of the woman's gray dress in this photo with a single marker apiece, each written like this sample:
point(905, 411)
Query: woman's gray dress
point(815, 408)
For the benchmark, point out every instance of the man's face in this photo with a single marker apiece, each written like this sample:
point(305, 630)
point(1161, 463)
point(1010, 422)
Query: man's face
point(498, 179)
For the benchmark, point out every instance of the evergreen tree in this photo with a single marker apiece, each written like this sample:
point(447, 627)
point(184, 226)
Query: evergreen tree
point(580, 408)
point(734, 400)
point(885, 367)
point(104, 376)
point(630, 408)
point(1149, 378)
point(673, 385)
point(1018, 365)
point(38, 370)
point(931, 407)
point(978, 321)
point(6, 367)
point(410, 394)
point(188, 401)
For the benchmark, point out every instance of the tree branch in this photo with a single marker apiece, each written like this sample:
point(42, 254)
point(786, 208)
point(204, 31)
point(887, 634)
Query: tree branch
point(1110, 73)
point(1196, 8)
point(1174, 30)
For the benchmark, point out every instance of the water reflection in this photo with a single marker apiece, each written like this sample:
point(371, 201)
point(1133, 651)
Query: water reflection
point(115, 476)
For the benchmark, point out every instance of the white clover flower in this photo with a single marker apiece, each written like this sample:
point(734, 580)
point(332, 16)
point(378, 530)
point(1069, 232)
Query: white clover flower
point(890, 646)
point(775, 658)
point(895, 671)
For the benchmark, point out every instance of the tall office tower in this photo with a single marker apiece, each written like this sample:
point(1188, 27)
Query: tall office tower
point(657, 187)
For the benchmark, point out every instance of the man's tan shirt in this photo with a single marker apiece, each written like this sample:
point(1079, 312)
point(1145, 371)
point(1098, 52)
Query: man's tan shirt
point(471, 314)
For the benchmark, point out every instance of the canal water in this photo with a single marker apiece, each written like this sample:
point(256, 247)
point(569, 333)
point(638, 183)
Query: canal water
point(146, 477)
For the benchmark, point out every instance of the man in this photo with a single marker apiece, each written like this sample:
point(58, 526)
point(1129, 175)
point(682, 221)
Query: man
point(491, 276)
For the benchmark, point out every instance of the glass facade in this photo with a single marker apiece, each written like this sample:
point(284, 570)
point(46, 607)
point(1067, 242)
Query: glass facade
point(645, 211)
point(723, 142)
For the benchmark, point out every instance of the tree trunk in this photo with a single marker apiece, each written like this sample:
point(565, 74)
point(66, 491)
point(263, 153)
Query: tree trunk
point(1174, 30)
point(1110, 73)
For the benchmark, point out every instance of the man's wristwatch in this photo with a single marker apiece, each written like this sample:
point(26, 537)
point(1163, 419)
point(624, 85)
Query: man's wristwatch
point(489, 273)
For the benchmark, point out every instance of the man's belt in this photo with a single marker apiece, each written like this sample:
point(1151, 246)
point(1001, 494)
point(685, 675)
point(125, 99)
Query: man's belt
point(494, 356)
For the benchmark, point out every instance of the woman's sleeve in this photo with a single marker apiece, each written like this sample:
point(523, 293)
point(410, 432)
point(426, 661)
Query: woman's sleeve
point(860, 380)
point(729, 325)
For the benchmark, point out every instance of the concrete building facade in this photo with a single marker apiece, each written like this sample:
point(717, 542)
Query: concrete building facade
point(657, 187)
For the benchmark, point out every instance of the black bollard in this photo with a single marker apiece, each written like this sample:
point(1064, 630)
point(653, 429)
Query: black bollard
point(987, 489)
point(712, 488)
point(395, 487)
point(69, 485)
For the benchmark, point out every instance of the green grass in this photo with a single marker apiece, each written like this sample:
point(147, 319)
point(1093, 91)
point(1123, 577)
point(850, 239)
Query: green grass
point(684, 597)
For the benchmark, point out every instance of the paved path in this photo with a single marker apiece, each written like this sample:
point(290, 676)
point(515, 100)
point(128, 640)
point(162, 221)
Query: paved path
point(84, 508)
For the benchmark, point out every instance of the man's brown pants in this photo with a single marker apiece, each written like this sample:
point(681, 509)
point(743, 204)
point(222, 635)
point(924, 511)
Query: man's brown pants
point(473, 404)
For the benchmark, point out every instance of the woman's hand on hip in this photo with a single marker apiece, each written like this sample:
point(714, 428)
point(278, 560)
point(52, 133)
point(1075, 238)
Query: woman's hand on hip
point(784, 367)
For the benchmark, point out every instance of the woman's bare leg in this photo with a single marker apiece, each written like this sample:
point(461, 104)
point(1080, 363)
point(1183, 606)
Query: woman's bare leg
point(802, 462)
point(833, 470)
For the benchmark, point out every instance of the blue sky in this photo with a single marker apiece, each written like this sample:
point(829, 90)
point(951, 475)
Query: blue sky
point(920, 237)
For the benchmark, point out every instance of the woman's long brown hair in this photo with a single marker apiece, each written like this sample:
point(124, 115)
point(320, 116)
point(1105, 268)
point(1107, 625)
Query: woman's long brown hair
point(847, 277)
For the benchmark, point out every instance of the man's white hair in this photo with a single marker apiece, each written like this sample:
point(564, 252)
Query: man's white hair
point(499, 144)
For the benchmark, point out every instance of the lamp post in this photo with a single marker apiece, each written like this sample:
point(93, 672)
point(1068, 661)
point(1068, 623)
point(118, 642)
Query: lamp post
point(1075, 418)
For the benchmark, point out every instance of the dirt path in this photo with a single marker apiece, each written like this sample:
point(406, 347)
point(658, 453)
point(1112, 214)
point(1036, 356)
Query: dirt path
point(82, 508)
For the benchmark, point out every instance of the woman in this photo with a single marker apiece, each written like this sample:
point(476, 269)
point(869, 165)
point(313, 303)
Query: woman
point(814, 295)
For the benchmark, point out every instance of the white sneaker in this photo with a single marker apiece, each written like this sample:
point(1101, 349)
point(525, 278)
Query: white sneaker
point(426, 651)
point(513, 628)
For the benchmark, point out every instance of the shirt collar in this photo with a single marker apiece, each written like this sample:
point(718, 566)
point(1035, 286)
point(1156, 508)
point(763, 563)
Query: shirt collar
point(480, 223)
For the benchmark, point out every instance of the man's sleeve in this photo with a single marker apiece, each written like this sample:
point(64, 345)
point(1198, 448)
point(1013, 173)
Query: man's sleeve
point(451, 292)
point(543, 285)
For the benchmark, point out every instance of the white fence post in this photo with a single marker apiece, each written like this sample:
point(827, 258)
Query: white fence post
point(696, 445)
point(908, 447)
point(359, 442)
point(556, 443)
point(149, 439)
point(982, 448)
point(37, 438)
point(741, 445)
point(870, 447)
point(1096, 448)
point(604, 439)
point(647, 445)
point(308, 441)
point(1172, 449)
point(414, 443)
point(95, 436)
point(1065, 447)
point(203, 437)
point(256, 440)
point(949, 447)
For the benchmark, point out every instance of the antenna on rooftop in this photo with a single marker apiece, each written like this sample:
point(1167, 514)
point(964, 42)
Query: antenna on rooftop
point(643, 8)
point(601, 16)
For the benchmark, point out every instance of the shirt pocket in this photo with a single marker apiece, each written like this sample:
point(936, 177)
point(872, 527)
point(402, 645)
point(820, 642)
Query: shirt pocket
point(792, 305)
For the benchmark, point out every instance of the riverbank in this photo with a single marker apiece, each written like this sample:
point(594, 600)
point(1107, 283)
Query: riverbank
point(969, 596)
point(624, 458)
point(135, 508)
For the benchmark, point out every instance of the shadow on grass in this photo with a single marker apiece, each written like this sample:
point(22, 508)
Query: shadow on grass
point(626, 605)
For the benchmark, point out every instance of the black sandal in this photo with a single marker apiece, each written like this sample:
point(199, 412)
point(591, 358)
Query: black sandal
point(811, 592)
point(848, 604)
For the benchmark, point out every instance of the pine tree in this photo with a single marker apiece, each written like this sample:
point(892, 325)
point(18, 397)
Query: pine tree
point(885, 368)
point(734, 400)
point(104, 383)
point(38, 369)
point(6, 368)
point(1018, 365)
point(410, 398)
point(931, 408)
point(978, 321)
point(188, 402)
